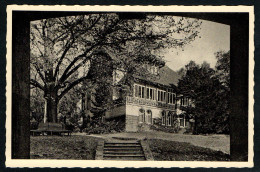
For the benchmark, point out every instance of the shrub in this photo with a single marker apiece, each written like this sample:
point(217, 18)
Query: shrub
point(33, 125)
point(157, 126)
point(110, 126)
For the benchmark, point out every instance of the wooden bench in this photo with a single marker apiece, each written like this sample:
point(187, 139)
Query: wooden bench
point(50, 129)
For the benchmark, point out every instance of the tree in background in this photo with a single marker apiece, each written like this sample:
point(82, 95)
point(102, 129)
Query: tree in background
point(223, 74)
point(209, 92)
point(62, 49)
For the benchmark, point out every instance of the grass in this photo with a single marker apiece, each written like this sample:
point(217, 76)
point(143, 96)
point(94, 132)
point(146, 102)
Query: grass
point(84, 148)
point(68, 147)
point(164, 150)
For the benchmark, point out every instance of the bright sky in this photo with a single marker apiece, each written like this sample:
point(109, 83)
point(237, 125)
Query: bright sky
point(214, 37)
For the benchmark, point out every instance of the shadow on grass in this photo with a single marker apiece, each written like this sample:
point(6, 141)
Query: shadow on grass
point(68, 147)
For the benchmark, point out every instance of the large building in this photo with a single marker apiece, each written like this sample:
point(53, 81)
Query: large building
point(149, 99)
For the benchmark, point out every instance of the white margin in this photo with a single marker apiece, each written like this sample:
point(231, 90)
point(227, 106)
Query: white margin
point(96, 163)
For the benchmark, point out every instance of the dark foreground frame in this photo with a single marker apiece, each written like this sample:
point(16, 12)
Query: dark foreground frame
point(239, 49)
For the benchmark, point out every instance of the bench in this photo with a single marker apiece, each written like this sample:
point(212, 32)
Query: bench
point(50, 129)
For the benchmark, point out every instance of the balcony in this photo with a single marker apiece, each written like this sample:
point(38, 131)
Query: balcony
point(147, 102)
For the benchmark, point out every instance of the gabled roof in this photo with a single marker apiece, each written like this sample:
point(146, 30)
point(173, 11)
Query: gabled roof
point(166, 77)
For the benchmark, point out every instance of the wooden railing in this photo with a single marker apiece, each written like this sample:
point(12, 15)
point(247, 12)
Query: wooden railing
point(147, 102)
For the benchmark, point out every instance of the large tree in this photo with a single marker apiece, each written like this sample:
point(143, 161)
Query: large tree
point(209, 90)
point(62, 49)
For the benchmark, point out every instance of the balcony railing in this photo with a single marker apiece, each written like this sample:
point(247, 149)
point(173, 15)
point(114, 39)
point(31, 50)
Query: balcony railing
point(147, 102)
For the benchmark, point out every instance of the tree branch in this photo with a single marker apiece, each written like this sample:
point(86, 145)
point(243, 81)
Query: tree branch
point(68, 46)
point(74, 69)
point(103, 35)
point(73, 40)
point(71, 85)
point(39, 72)
point(36, 84)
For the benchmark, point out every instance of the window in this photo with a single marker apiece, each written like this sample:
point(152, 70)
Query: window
point(184, 101)
point(150, 93)
point(182, 121)
point(139, 91)
point(156, 70)
point(149, 117)
point(163, 117)
point(171, 98)
point(141, 115)
point(161, 97)
point(168, 120)
point(152, 69)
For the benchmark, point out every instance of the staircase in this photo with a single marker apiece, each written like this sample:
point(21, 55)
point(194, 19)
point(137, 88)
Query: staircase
point(126, 150)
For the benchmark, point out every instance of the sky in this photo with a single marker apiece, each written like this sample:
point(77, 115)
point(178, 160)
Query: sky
point(214, 37)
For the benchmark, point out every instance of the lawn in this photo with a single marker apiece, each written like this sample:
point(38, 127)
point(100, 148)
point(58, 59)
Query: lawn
point(164, 150)
point(67, 147)
point(84, 148)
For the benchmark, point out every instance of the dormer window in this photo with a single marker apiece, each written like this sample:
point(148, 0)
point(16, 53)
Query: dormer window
point(152, 69)
point(155, 70)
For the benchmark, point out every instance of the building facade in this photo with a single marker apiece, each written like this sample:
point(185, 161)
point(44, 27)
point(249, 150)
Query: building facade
point(150, 100)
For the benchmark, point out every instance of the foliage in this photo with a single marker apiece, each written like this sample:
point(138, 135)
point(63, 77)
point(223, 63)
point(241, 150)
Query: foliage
point(157, 126)
point(63, 49)
point(69, 104)
point(209, 90)
point(36, 104)
point(104, 127)
point(223, 67)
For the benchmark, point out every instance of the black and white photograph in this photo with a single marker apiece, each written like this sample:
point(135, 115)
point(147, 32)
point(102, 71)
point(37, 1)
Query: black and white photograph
point(118, 86)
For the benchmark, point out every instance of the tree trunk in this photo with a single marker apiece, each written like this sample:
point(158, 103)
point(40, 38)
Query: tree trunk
point(50, 112)
point(51, 98)
point(52, 104)
point(45, 111)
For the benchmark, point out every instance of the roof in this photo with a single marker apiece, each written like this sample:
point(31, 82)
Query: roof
point(166, 77)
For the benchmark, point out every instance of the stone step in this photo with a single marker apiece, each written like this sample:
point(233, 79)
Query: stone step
point(127, 150)
point(123, 149)
point(121, 145)
point(125, 158)
point(123, 153)
point(123, 142)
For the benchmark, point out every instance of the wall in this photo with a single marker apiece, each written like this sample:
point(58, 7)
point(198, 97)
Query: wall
point(132, 113)
point(115, 112)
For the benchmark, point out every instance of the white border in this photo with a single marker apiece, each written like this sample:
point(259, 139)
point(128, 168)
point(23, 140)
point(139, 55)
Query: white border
point(95, 163)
